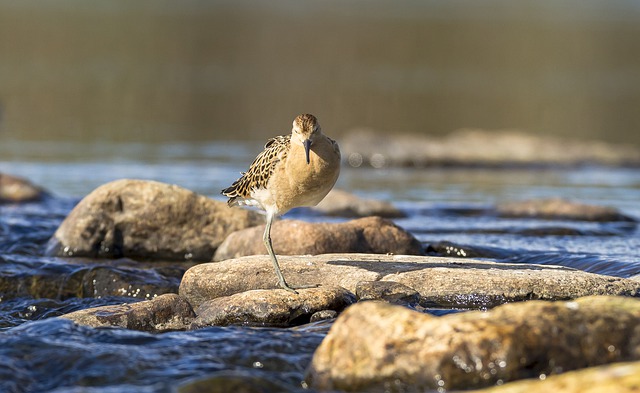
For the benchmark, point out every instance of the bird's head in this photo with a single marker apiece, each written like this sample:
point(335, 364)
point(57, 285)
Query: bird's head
point(305, 129)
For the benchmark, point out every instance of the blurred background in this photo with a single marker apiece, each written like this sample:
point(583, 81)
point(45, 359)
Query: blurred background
point(189, 70)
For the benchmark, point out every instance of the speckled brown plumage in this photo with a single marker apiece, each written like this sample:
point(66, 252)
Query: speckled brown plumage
point(275, 150)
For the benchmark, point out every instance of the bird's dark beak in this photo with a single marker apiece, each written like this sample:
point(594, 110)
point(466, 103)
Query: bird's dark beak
point(307, 148)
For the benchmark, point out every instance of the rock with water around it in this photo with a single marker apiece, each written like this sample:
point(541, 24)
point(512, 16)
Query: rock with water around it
point(233, 381)
point(614, 378)
point(147, 220)
point(291, 237)
point(388, 291)
point(60, 279)
point(377, 346)
point(164, 313)
point(344, 204)
point(441, 282)
point(558, 208)
point(474, 147)
point(15, 189)
point(276, 307)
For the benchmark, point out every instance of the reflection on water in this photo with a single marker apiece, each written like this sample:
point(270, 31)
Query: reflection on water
point(191, 70)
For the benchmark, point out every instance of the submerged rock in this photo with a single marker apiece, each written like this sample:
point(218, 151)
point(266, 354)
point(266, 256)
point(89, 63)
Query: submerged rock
point(15, 189)
point(147, 220)
point(374, 345)
point(618, 378)
point(562, 209)
point(291, 237)
point(344, 204)
point(474, 147)
point(232, 381)
point(164, 313)
point(440, 282)
point(275, 307)
point(61, 280)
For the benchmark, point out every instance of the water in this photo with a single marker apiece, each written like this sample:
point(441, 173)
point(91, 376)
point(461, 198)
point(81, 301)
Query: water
point(41, 353)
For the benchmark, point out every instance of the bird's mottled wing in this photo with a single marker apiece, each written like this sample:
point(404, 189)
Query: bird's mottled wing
point(257, 177)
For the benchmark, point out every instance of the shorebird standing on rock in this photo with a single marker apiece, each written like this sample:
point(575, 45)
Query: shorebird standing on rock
point(292, 171)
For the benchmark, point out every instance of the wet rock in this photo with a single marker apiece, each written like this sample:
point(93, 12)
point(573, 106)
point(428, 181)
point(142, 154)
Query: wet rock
point(60, 280)
point(344, 204)
point(473, 147)
point(147, 220)
point(618, 378)
point(164, 313)
point(446, 249)
point(291, 237)
point(561, 209)
point(374, 345)
point(388, 291)
point(14, 189)
point(323, 315)
point(232, 381)
point(441, 282)
point(278, 308)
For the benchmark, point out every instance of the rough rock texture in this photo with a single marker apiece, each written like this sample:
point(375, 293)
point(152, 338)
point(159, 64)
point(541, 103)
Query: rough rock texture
point(558, 208)
point(148, 220)
point(164, 313)
point(480, 148)
point(344, 204)
point(614, 378)
point(14, 189)
point(374, 345)
point(441, 282)
point(275, 307)
point(323, 315)
point(388, 291)
point(291, 237)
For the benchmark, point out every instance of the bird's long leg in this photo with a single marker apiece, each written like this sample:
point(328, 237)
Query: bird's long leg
point(267, 242)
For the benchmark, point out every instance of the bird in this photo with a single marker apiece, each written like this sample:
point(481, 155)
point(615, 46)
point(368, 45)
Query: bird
point(293, 170)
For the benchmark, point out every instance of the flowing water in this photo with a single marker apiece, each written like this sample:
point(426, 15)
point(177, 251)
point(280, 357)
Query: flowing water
point(41, 353)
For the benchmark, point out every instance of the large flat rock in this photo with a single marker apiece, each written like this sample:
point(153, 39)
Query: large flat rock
point(373, 345)
point(147, 220)
point(440, 281)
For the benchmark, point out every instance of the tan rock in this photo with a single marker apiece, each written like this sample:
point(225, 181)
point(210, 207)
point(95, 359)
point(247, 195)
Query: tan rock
point(614, 378)
point(345, 204)
point(14, 189)
point(275, 307)
point(291, 237)
point(164, 313)
point(388, 291)
point(558, 208)
point(375, 345)
point(440, 281)
point(148, 220)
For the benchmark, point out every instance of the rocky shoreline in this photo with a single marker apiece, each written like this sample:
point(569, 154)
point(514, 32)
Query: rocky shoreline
point(371, 275)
